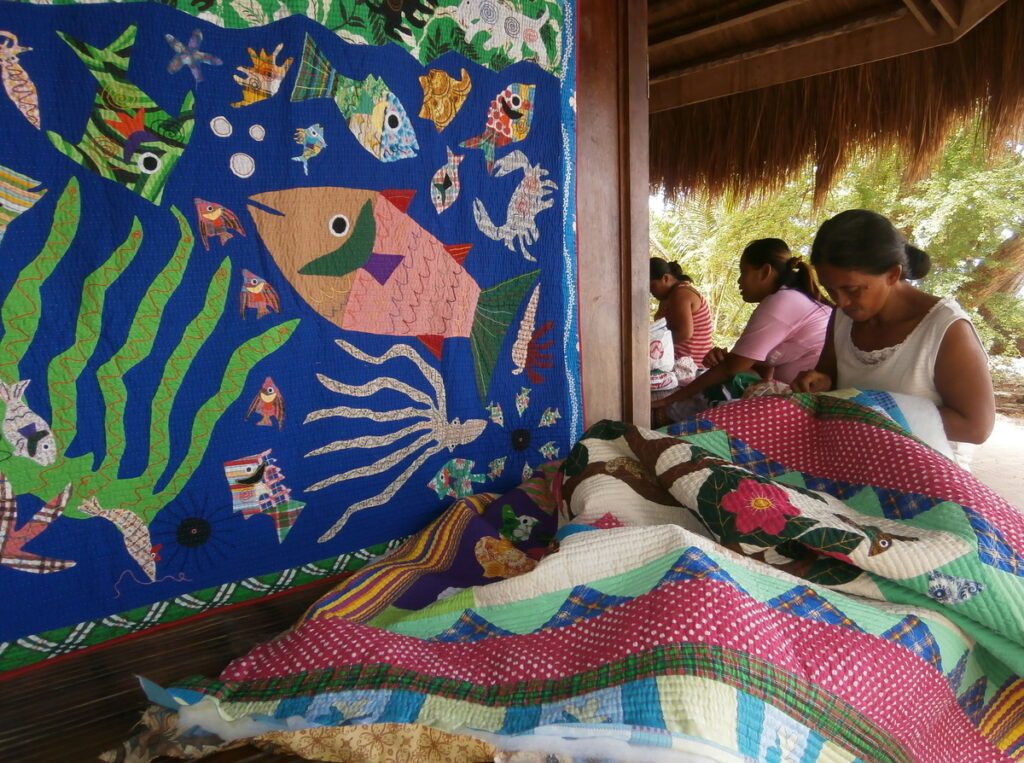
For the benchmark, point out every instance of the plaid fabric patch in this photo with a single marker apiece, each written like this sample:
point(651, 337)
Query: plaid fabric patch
point(694, 564)
point(754, 460)
point(915, 636)
point(470, 627)
point(972, 701)
point(693, 425)
point(992, 546)
point(956, 675)
point(583, 603)
point(897, 504)
point(803, 601)
point(839, 490)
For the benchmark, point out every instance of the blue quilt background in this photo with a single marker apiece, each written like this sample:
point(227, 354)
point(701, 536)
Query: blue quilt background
point(106, 578)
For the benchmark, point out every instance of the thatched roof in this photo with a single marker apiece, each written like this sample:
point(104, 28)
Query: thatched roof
point(754, 141)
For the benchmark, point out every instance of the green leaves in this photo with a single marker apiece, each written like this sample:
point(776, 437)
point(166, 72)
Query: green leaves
point(577, 461)
point(832, 572)
point(607, 430)
point(832, 540)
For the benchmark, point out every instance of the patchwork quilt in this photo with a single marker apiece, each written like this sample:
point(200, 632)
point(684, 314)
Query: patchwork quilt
point(279, 281)
point(781, 579)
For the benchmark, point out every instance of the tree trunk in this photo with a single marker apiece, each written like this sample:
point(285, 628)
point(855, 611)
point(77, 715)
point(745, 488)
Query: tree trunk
point(1000, 273)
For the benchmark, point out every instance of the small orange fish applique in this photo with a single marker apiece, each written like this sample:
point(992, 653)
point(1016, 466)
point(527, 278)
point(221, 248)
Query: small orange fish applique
point(269, 404)
point(216, 221)
point(258, 295)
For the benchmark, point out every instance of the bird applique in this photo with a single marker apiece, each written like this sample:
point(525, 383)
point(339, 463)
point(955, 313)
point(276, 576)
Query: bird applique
point(216, 221)
point(258, 295)
point(881, 541)
point(515, 528)
point(13, 539)
point(269, 404)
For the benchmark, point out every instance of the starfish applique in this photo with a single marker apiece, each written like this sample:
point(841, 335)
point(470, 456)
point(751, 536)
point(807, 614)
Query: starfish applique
point(13, 539)
point(190, 55)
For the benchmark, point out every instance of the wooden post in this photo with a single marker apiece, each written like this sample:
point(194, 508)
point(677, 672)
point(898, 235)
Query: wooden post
point(612, 208)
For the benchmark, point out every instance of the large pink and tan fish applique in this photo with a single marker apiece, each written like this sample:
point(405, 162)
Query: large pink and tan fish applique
point(361, 262)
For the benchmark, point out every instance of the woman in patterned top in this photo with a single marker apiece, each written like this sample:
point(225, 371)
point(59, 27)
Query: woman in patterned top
point(786, 331)
point(887, 334)
point(684, 309)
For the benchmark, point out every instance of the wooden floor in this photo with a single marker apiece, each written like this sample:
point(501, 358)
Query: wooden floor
point(72, 709)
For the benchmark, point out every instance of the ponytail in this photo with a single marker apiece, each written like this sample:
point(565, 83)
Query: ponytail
point(793, 272)
point(661, 267)
point(800, 275)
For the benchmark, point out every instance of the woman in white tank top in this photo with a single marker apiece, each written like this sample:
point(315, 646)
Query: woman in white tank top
point(887, 334)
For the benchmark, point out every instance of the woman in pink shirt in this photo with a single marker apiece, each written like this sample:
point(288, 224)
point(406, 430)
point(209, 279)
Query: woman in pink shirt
point(786, 332)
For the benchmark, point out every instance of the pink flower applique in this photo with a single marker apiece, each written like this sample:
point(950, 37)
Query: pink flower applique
point(759, 506)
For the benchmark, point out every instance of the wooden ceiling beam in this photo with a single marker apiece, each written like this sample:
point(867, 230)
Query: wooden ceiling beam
point(925, 14)
point(974, 12)
point(774, 67)
point(818, 34)
point(820, 57)
point(949, 10)
point(679, 16)
point(740, 18)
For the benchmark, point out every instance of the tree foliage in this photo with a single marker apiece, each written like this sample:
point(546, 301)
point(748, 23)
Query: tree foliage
point(967, 214)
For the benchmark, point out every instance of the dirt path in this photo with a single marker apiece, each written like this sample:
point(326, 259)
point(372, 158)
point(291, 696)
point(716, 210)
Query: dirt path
point(999, 463)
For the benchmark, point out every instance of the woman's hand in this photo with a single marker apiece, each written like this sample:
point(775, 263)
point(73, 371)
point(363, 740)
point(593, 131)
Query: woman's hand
point(811, 381)
point(714, 357)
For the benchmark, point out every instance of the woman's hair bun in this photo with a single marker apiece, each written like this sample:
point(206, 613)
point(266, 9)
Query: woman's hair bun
point(918, 262)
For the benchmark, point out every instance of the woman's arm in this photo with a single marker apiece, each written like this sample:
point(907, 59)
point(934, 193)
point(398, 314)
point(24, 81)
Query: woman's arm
point(731, 365)
point(679, 315)
point(823, 377)
point(962, 378)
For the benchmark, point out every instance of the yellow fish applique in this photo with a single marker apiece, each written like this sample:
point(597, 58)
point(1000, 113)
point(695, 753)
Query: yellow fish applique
point(443, 96)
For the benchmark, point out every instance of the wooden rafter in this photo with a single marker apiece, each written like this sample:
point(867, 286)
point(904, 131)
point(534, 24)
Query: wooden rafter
point(925, 14)
point(949, 10)
point(737, 19)
point(851, 42)
point(819, 34)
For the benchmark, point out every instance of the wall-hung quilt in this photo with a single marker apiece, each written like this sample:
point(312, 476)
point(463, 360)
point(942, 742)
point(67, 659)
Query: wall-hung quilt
point(279, 281)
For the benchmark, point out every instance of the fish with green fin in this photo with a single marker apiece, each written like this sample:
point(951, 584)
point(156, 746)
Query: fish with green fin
point(365, 265)
point(128, 138)
point(374, 114)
